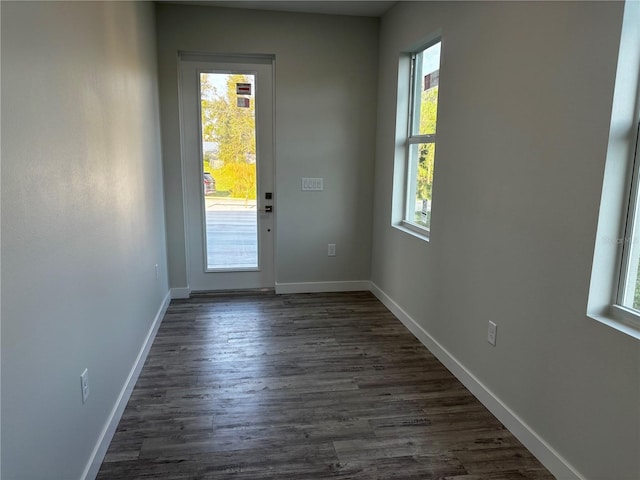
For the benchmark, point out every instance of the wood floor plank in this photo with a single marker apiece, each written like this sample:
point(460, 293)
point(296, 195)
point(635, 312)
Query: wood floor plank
point(311, 386)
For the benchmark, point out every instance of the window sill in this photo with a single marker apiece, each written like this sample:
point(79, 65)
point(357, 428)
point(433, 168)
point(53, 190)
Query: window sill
point(406, 227)
point(621, 319)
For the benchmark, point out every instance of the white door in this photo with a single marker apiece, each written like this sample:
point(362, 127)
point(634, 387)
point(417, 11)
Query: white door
point(227, 162)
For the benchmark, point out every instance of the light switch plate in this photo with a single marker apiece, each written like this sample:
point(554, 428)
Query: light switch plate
point(312, 184)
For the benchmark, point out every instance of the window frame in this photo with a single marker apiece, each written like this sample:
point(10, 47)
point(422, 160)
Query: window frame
point(412, 138)
point(621, 175)
point(612, 246)
point(621, 312)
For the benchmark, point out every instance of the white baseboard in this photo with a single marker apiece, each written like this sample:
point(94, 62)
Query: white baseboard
point(183, 292)
point(322, 287)
point(100, 450)
point(551, 459)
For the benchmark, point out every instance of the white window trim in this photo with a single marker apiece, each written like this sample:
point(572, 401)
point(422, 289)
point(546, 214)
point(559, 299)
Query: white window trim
point(622, 319)
point(625, 319)
point(617, 316)
point(605, 285)
point(631, 219)
point(422, 232)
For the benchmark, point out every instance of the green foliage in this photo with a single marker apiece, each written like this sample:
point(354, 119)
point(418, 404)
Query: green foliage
point(207, 162)
point(426, 153)
point(429, 111)
point(209, 105)
point(237, 178)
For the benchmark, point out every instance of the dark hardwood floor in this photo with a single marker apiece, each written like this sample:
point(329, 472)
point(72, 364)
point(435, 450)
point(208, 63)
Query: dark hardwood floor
point(313, 386)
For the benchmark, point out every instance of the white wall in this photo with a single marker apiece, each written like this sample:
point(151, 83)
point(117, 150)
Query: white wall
point(525, 104)
point(82, 223)
point(325, 124)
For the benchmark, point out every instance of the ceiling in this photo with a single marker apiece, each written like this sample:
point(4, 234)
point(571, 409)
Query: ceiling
point(362, 8)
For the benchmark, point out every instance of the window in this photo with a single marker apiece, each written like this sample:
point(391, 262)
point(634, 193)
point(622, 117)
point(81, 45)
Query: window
point(629, 283)
point(614, 290)
point(421, 138)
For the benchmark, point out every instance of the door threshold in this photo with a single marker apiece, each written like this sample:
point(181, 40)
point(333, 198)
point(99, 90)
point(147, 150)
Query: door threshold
point(229, 293)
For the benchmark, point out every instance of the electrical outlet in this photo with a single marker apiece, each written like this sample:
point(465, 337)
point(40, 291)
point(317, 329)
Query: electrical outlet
point(331, 250)
point(491, 334)
point(157, 272)
point(84, 384)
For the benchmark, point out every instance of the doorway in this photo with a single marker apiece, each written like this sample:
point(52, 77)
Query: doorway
point(227, 163)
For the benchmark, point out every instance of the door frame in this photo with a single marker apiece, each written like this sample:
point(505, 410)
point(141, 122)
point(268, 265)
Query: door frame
point(267, 281)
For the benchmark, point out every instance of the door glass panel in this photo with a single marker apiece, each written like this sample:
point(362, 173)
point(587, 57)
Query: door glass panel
point(228, 133)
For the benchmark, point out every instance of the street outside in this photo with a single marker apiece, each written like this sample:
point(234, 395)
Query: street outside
point(231, 233)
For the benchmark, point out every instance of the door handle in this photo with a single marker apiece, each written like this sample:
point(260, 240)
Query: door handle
point(266, 209)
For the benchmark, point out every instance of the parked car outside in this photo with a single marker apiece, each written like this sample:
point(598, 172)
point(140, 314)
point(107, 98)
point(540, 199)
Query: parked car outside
point(209, 184)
